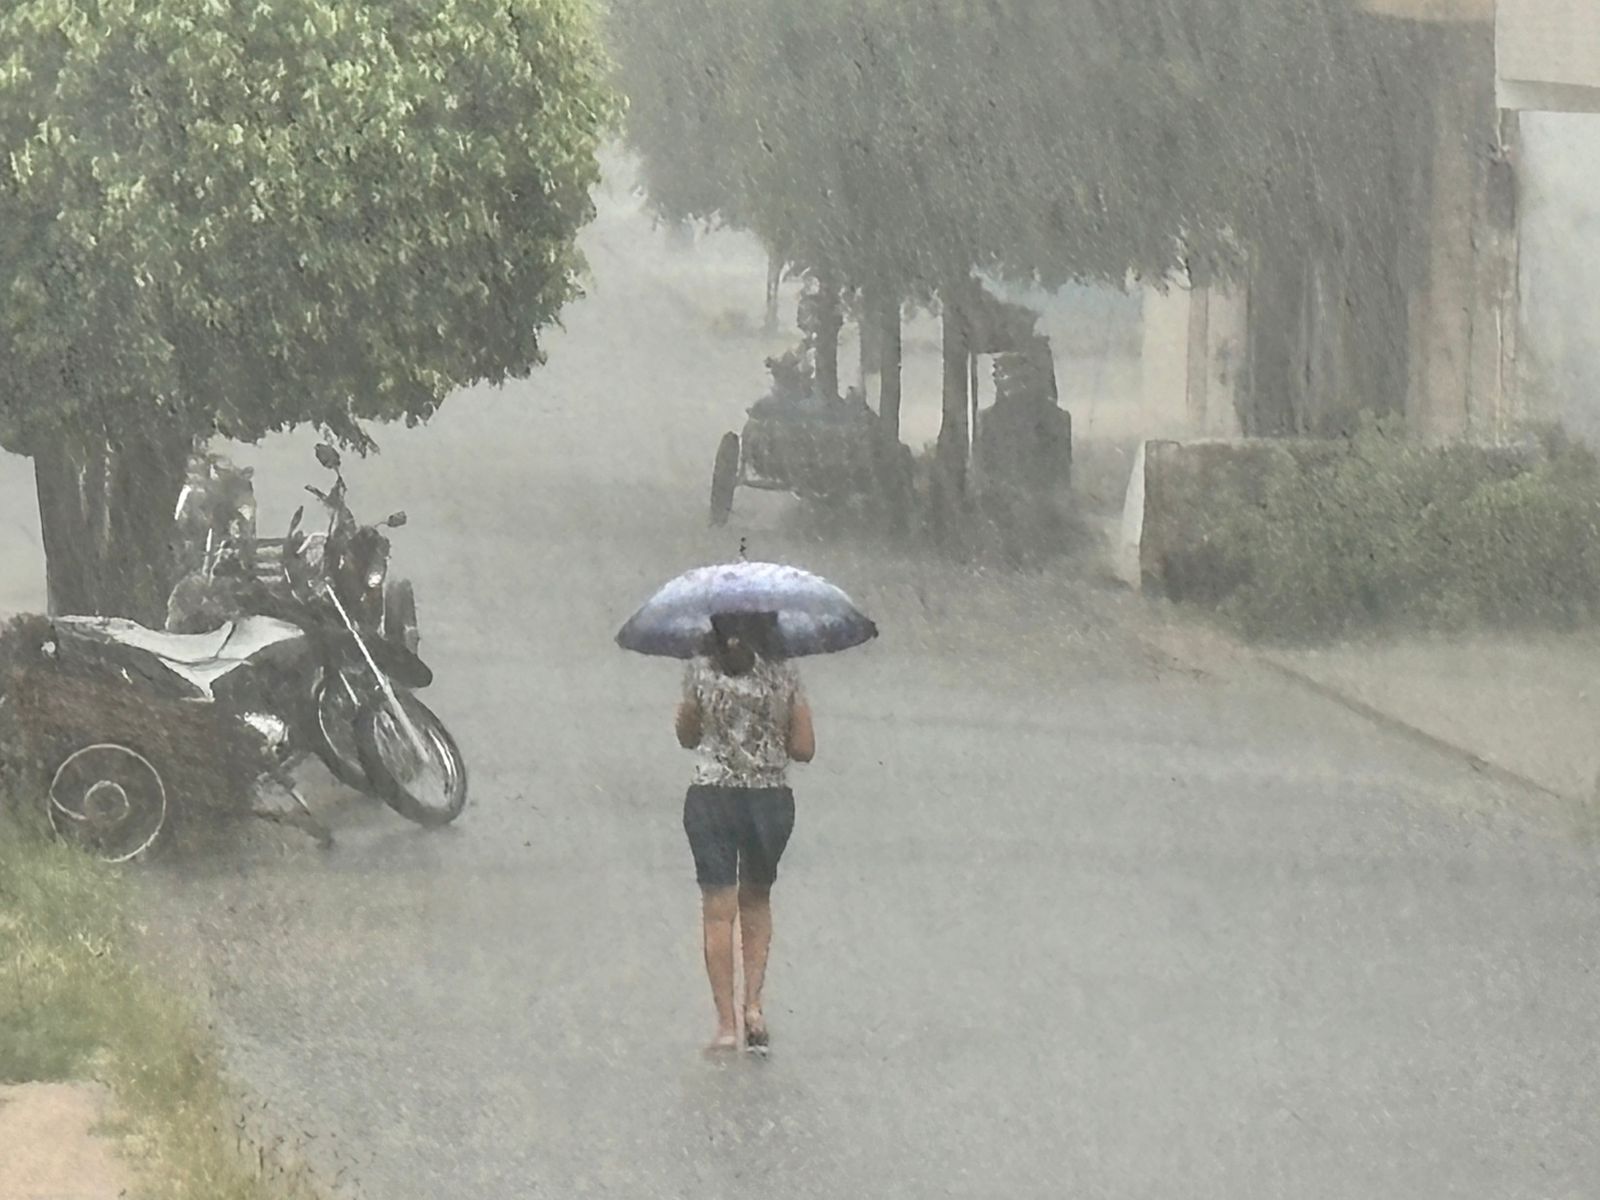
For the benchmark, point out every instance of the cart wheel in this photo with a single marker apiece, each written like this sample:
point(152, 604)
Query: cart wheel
point(109, 800)
point(724, 479)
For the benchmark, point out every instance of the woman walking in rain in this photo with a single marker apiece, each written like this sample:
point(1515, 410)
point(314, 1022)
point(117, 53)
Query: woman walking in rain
point(745, 714)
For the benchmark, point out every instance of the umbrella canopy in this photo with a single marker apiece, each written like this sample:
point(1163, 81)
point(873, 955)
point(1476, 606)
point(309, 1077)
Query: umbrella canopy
point(814, 616)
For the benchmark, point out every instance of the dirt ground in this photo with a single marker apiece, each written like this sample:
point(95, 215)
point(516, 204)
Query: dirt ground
point(53, 1145)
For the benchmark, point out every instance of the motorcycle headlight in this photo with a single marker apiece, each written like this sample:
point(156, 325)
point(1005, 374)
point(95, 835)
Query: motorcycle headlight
point(375, 578)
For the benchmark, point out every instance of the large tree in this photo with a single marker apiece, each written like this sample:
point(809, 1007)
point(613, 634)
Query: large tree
point(787, 120)
point(228, 219)
point(901, 148)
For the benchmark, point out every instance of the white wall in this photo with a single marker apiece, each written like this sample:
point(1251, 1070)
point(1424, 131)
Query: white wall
point(1193, 351)
point(1559, 334)
point(21, 554)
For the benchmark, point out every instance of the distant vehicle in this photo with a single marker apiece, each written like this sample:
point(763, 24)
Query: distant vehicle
point(829, 450)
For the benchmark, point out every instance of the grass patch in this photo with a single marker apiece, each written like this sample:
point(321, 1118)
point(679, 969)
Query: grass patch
point(74, 1005)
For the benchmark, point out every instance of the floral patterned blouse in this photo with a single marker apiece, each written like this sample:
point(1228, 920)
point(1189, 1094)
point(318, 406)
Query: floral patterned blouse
point(744, 722)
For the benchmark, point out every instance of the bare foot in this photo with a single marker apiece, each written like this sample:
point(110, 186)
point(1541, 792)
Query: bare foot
point(755, 1030)
point(725, 1041)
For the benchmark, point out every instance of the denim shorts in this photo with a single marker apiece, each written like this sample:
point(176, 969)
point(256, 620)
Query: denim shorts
point(737, 835)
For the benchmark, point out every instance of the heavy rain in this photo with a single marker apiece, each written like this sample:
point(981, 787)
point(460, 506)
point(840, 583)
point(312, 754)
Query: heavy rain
point(727, 598)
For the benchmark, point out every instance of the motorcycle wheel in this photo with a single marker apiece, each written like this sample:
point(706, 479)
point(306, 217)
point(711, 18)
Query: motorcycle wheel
point(430, 789)
point(109, 800)
point(338, 746)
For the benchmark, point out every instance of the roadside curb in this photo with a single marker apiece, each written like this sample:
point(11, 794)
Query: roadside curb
point(1388, 721)
point(1200, 647)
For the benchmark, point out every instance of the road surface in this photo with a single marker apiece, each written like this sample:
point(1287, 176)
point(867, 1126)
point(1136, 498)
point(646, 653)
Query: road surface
point(1058, 919)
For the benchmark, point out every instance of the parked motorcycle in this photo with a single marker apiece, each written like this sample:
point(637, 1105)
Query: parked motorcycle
point(217, 542)
point(306, 670)
point(377, 735)
point(215, 514)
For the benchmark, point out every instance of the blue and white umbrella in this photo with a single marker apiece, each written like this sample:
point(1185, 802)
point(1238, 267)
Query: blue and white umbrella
point(814, 616)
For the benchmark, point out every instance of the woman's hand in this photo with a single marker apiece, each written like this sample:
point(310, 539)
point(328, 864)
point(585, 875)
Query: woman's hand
point(690, 725)
point(802, 734)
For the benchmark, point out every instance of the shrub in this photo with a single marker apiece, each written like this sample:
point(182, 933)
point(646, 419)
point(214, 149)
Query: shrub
point(1384, 532)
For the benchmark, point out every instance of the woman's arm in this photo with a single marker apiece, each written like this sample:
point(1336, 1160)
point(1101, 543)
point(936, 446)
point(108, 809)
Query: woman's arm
point(802, 734)
point(691, 720)
point(690, 727)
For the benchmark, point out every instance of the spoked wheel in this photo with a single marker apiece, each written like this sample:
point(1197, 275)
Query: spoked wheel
point(337, 711)
point(428, 787)
point(724, 479)
point(109, 800)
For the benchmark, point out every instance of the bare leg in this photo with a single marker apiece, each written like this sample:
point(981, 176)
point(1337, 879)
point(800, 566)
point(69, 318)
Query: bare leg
point(755, 928)
point(720, 906)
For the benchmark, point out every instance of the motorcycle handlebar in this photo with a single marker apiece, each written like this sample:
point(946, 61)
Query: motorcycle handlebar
point(342, 531)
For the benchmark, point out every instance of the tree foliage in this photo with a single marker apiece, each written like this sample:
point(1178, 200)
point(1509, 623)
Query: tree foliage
point(1080, 140)
point(236, 217)
point(290, 210)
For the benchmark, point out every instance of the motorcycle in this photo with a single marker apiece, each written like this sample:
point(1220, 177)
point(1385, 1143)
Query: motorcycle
point(376, 734)
point(308, 670)
point(216, 524)
point(216, 512)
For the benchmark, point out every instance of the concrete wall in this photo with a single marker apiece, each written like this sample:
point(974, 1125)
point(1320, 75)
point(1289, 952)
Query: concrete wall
point(1559, 333)
point(1548, 55)
point(1193, 349)
point(1178, 488)
point(21, 551)
point(1462, 344)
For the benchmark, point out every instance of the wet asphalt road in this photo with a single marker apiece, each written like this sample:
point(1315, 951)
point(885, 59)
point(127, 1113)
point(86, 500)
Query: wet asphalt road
point(1058, 919)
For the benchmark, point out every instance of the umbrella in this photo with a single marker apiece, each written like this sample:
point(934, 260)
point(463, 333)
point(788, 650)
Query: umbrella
point(814, 616)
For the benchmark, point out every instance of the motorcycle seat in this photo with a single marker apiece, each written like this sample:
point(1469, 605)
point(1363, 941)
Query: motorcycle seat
point(200, 659)
point(172, 647)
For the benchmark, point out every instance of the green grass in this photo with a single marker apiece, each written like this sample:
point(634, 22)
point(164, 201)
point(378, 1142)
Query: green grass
point(74, 1005)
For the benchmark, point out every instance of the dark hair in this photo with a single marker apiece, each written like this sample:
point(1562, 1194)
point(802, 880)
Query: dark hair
point(756, 630)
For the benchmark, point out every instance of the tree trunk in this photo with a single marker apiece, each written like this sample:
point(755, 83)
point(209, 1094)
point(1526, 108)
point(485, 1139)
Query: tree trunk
point(149, 470)
point(829, 325)
point(1272, 403)
point(106, 515)
point(954, 428)
point(65, 529)
point(890, 353)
